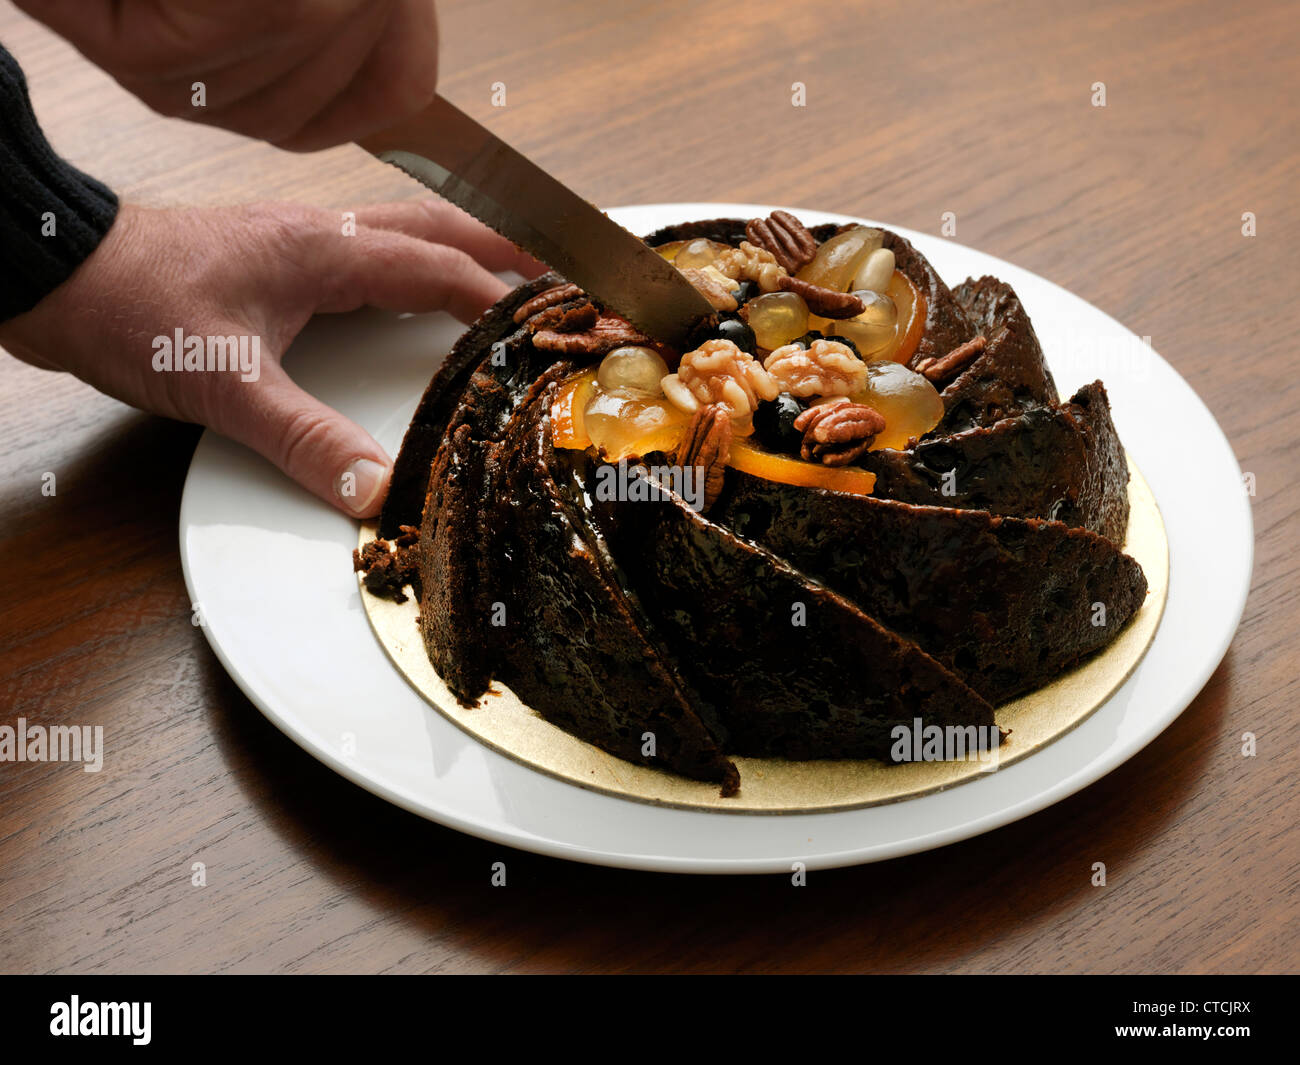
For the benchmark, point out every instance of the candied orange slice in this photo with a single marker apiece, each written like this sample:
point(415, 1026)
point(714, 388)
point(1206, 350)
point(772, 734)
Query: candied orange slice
point(567, 429)
point(910, 302)
point(773, 467)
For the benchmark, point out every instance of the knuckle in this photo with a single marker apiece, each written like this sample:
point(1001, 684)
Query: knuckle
point(301, 435)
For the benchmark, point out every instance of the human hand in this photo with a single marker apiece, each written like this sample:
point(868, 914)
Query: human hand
point(304, 75)
point(259, 271)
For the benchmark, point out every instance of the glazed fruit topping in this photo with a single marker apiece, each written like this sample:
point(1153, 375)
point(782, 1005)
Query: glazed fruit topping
point(776, 318)
point(632, 367)
point(909, 404)
point(774, 424)
point(837, 261)
point(808, 353)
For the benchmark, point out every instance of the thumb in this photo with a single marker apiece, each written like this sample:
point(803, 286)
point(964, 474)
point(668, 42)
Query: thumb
point(328, 454)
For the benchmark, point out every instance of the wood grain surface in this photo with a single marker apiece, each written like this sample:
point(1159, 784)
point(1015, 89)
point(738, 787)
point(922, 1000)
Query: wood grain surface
point(982, 109)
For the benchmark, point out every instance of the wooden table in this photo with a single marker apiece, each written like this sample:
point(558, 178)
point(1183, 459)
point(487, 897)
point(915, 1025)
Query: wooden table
point(981, 110)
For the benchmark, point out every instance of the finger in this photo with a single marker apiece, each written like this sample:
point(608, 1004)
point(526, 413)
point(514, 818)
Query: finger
point(444, 223)
point(329, 455)
point(278, 110)
point(398, 78)
point(380, 268)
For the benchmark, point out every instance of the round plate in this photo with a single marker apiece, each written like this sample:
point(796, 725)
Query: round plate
point(270, 568)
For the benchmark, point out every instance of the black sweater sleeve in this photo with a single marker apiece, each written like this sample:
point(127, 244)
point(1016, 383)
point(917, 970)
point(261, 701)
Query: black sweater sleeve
point(51, 214)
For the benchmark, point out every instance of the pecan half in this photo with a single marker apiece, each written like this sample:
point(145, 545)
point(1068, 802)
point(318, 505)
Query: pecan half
point(785, 237)
point(607, 333)
point(936, 370)
point(572, 316)
point(706, 446)
point(548, 298)
point(838, 432)
point(824, 301)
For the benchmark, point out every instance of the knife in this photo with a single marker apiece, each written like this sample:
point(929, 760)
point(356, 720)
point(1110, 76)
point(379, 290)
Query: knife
point(446, 150)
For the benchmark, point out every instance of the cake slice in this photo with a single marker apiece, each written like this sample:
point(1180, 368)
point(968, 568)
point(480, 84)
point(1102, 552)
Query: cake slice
point(1005, 603)
point(1063, 463)
point(791, 668)
point(1010, 376)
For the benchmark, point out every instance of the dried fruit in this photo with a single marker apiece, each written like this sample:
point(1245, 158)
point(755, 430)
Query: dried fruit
point(669, 251)
point(719, 372)
point(625, 422)
point(699, 252)
point(838, 260)
point(788, 470)
point(824, 368)
point(632, 366)
point(872, 331)
point(876, 271)
point(776, 318)
point(568, 429)
point(774, 424)
point(908, 402)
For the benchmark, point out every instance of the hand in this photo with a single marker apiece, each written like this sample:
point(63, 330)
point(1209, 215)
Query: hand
point(304, 75)
point(259, 271)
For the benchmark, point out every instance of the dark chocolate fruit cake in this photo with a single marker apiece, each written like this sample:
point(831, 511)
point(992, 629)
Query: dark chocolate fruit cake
point(856, 504)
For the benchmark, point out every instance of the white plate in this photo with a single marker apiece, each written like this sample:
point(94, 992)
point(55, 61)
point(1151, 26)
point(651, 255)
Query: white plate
point(271, 568)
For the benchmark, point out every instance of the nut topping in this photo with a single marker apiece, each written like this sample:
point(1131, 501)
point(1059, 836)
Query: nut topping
point(824, 301)
point(785, 237)
point(751, 263)
point(838, 432)
point(548, 298)
point(936, 370)
point(568, 317)
point(607, 333)
point(719, 372)
point(713, 286)
point(825, 368)
point(706, 446)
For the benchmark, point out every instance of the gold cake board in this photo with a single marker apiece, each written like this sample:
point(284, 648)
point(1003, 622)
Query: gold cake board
point(775, 785)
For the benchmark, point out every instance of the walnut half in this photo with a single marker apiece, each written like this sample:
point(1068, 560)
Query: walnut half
point(719, 372)
point(824, 368)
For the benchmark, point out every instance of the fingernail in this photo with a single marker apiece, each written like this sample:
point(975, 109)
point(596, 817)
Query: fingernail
point(360, 484)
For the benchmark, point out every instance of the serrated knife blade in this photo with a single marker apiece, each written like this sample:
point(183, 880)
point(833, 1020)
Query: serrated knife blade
point(456, 157)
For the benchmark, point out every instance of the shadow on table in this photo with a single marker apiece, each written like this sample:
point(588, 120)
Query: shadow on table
point(996, 895)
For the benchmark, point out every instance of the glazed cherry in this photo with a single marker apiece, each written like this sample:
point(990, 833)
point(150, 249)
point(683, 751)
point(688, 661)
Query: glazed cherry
point(733, 329)
point(774, 424)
